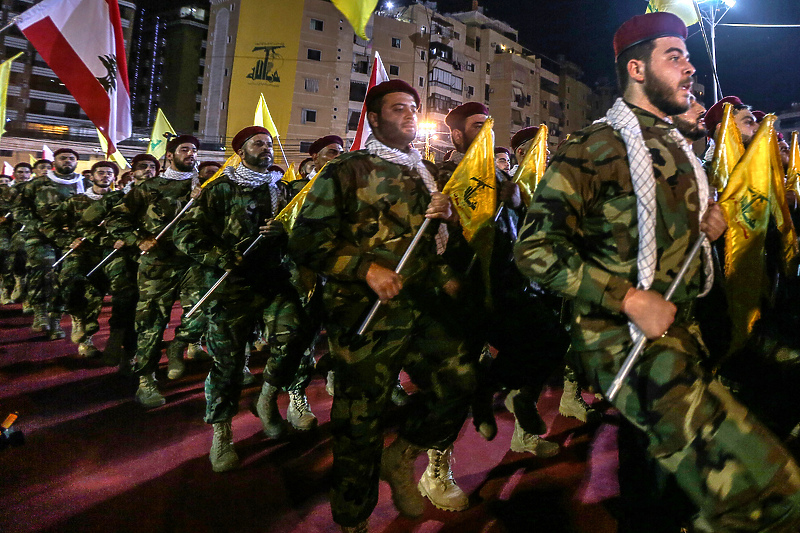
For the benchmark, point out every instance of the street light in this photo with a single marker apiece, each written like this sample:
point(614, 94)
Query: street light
point(710, 15)
point(426, 129)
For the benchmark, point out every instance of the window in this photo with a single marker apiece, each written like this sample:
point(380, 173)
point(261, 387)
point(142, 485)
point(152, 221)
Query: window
point(394, 70)
point(470, 90)
point(316, 25)
point(422, 55)
point(567, 106)
point(314, 55)
point(421, 81)
point(305, 146)
point(312, 85)
point(309, 115)
point(395, 42)
point(469, 66)
point(361, 66)
point(352, 120)
point(516, 117)
point(486, 92)
point(488, 68)
point(358, 91)
point(441, 78)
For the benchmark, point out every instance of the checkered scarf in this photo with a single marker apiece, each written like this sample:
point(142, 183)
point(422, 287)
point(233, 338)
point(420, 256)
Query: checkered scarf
point(411, 159)
point(250, 179)
point(176, 175)
point(76, 180)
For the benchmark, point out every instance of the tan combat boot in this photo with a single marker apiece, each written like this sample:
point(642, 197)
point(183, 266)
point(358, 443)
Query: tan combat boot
point(397, 469)
point(147, 394)
point(56, 332)
point(16, 294)
point(78, 333)
point(87, 349)
point(528, 442)
point(5, 297)
point(41, 321)
point(299, 413)
point(196, 351)
point(267, 411)
point(362, 527)
point(438, 485)
point(572, 403)
point(223, 455)
point(175, 365)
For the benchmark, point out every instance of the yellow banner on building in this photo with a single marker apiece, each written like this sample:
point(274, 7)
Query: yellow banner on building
point(793, 172)
point(266, 56)
point(160, 135)
point(5, 74)
point(533, 165)
point(728, 150)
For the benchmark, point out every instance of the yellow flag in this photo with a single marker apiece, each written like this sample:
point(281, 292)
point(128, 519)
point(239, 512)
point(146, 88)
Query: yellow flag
point(263, 117)
point(32, 159)
point(289, 213)
point(162, 131)
point(533, 165)
point(683, 8)
point(290, 175)
point(116, 157)
point(793, 172)
point(727, 151)
point(5, 73)
point(232, 161)
point(357, 12)
point(779, 207)
point(472, 187)
point(746, 202)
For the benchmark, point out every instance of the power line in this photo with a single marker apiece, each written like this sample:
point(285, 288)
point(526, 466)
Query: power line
point(743, 25)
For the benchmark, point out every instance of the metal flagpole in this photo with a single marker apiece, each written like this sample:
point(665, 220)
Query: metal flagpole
point(278, 137)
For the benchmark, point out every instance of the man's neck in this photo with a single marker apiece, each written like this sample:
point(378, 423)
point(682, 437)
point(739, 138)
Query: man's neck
point(176, 169)
point(640, 100)
point(60, 175)
point(100, 190)
point(260, 170)
point(396, 146)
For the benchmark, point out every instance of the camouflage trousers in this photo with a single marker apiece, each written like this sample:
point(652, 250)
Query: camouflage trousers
point(13, 262)
point(160, 285)
point(42, 278)
point(729, 465)
point(426, 345)
point(232, 317)
point(83, 297)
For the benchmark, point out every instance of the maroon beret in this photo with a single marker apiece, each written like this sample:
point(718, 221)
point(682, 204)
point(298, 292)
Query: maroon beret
point(759, 115)
point(66, 151)
point(781, 138)
point(276, 168)
point(23, 164)
point(40, 161)
point(457, 118)
point(205, 164)
point(109, 164)
point(391, 86)
point(647, 27)
point(502, 150)
point(322, 142)
point(522, 136)
point(243, 135)
point(714, 114)
point(145, 157)
point(174, 142)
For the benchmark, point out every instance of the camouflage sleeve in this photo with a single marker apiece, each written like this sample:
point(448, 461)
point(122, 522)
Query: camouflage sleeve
point(123, 223)
point(549, 246)
point(57, 219)
point(198, 232)
point(22, 207)
point(93, 223)
point(316, 240)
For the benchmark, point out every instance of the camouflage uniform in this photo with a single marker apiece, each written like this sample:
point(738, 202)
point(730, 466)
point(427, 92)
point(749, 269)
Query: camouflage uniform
point(164, 274)
point(6, 236)
point(82, 216)
point(219, 228)
point(580, 239)
point(34, 203)
point(364, 209)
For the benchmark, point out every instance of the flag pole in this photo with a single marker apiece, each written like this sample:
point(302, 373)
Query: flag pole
point(638, 348)
point(278, 137)
point(7, 26)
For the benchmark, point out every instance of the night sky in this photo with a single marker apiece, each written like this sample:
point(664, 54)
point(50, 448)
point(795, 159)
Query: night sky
point(761, 66)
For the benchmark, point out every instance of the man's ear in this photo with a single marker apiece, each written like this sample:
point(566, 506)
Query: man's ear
point(372, 119)
point(457, 136)
point(636, 70)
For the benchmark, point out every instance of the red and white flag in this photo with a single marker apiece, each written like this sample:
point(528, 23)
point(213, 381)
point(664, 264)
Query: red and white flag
point(378, 76)
point(81, 40)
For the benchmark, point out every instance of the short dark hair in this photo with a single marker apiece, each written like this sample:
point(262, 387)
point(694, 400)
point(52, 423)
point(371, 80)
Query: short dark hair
point(640, 52)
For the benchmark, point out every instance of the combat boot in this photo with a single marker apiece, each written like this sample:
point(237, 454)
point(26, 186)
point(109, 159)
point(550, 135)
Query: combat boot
point(522, 441)
point(438, 485)
point(16, 294)
point(195, 351)
point(147, 394)
point(175, 366)
point(397, 469)
point(55, 328)
point(113, 354)
point(78, 334)
point(247, 377)
point(572, 403)
point(399, 394)
point(41, 321)
point(267, 411)
point(299, 413)
point(329, 383)
point(523, 406)
point(5, 297)
point(27, 308)
point(87, 349)
point(223, 455)
point(362, 527)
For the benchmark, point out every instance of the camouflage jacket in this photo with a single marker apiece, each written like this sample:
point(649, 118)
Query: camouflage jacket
point(36, 200)
point(145, 211)
point(223, 224)
point(95, 217)
point(580, 237)
point(362, 210)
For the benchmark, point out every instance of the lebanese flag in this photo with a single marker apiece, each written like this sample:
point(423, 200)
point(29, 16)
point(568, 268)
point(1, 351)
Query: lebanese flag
point(81, 40)
point(363, 131)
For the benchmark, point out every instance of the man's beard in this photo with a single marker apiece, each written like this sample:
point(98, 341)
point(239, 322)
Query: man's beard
point(182, 167)
point(693, 132)
point(392, 132)
point(663, 97)
point(64, 171)
point(257, 161)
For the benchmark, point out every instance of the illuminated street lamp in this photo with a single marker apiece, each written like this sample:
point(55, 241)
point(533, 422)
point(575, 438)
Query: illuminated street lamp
point(426, 130)
point(712, 17)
